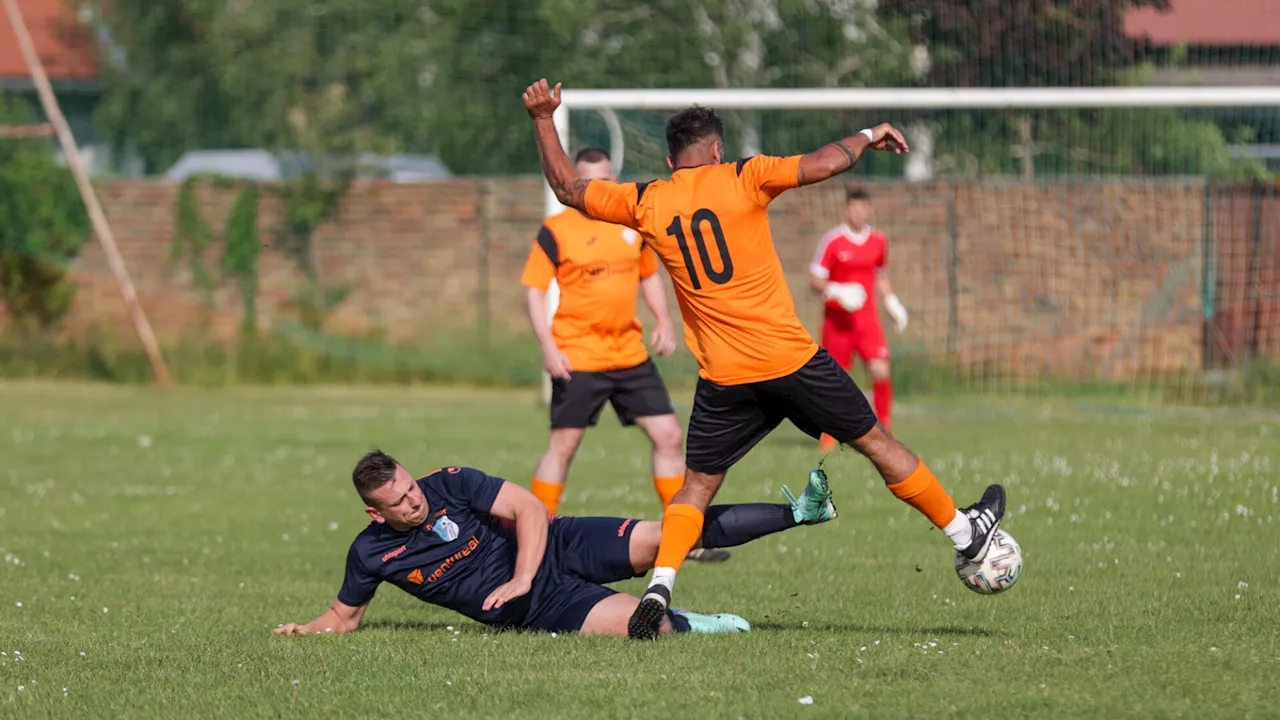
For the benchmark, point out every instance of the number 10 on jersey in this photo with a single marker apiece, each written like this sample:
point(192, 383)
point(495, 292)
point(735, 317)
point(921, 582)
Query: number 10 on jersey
point(700, 218)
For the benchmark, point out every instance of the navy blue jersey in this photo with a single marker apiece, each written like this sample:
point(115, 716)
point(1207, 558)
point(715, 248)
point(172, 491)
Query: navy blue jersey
point(454, 559)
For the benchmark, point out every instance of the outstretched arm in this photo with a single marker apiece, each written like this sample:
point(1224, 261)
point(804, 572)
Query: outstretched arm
point(541, 101)
point(340, 618)
point(831, 160)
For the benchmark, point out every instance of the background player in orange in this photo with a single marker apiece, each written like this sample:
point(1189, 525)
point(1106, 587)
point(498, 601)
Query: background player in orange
point(848, 267)
point(594, 349)
point(709, 225)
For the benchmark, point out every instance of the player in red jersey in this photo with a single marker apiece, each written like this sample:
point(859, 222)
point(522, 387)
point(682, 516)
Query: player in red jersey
point(848, 268)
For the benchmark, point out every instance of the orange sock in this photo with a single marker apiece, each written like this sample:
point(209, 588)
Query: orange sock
point(923, 492)
point(548, 493)
point(667, 488)
point(681, 530)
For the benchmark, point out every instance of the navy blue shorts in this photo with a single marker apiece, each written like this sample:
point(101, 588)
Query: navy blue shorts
point(583, 554)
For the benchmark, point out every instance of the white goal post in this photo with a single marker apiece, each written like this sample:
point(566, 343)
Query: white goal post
point(606, 101)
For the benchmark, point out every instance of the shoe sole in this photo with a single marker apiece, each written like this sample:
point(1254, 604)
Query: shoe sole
point(647, 619)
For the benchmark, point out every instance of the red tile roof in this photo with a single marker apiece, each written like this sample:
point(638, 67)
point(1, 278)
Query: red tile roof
point(66, 48)
point(1208, 22)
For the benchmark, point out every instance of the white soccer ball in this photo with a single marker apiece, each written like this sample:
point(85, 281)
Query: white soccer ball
point(998, 571)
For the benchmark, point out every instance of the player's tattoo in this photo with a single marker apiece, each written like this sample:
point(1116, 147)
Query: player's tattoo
point(572, 193)
point(852, 157)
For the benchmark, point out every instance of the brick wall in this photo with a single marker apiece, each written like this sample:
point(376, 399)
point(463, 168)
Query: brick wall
point(1073, 279)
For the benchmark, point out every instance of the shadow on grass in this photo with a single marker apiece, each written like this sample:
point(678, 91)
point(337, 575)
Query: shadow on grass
point(417, 625)
point(874, 629)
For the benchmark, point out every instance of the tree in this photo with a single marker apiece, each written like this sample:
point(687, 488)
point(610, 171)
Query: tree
point(1046, 43)
point(1030, 43)
point(42, 225)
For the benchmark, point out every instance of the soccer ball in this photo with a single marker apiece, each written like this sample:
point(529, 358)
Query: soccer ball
point(998, 571)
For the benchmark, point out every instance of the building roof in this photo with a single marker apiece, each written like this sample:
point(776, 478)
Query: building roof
point(66, 47)
point(1208, 22)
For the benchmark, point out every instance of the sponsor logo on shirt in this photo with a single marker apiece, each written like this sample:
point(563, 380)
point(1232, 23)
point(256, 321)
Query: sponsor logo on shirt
point(394, 553)
point(449, 562)
point(415, 577)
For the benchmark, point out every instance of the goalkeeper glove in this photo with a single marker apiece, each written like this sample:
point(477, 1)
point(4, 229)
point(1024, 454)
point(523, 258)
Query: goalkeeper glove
point(893, 306)
point(850, 296)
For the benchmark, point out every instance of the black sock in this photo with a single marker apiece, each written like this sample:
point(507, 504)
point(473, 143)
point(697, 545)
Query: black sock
point(729, 525)
point(679, 623)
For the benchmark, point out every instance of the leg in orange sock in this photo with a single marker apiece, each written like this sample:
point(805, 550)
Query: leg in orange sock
point(548, 493)
point(922, 491)
point(681, 530)
point(667, 487)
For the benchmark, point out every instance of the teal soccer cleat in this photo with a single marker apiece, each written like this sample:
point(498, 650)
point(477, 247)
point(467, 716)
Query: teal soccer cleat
point(814, 505)
point(717, 624)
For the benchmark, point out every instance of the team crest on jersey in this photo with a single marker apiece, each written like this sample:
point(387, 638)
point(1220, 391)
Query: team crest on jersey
point(630, 236)
point(446, 529)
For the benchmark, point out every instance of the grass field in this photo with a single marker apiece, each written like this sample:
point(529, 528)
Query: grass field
point(151, 541)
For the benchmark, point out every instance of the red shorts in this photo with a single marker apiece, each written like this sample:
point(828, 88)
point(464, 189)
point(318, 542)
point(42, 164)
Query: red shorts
point(844, 334)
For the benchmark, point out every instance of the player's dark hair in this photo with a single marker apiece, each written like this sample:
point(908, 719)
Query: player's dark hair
point(591, 155)
point(856, 192)
point(373, 471)
point(690, 127)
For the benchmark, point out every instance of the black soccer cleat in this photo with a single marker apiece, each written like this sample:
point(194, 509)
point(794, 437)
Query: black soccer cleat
point(708, 555)
point(984, 517)
point(647, 618)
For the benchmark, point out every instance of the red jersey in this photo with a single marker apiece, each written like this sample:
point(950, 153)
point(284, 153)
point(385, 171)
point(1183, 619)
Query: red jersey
point(844, 256)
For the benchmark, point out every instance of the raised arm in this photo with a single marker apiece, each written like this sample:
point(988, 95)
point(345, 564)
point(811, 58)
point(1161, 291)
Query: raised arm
point(541, 101)
point(834, 159)
point(340, 618)
point(530, 516)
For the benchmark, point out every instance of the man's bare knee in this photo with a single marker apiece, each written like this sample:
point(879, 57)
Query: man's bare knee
point(879, 370)
point(643, 546)
point(564, 443)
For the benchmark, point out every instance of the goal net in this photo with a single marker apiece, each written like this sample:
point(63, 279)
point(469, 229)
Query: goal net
point(1041, 239)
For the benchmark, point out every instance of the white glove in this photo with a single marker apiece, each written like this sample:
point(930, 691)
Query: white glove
point(850, 296)
point(893, 306)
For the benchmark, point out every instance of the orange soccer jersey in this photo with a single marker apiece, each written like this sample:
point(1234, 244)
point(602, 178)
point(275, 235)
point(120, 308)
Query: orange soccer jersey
point(710, 227)
point(598, 267)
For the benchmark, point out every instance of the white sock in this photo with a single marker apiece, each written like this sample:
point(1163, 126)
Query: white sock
point(664, 576)
point(960, 530)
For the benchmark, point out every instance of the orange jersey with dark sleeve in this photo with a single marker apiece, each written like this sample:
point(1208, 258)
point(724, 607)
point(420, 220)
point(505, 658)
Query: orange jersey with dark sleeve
point(710, 227)
point(598, 267)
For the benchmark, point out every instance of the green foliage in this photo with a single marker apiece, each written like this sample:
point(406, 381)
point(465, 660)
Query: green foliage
point(241, 248)
point(42, 225)
point(192, 237)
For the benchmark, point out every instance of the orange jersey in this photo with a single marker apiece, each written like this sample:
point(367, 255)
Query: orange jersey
point(598, 267)
point(710, 227)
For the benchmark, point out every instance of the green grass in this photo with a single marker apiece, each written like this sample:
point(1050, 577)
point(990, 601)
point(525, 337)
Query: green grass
point(155, 539)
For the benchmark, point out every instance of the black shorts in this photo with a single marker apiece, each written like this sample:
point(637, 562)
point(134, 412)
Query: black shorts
point(728, 420)
point(635, 392)
point(583, 554)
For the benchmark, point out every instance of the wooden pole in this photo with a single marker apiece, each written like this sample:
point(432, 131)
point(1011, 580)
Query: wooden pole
point(99, 219)
point(22, 132)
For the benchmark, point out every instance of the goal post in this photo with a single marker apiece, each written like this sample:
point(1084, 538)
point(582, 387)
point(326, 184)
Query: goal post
point(607, 101)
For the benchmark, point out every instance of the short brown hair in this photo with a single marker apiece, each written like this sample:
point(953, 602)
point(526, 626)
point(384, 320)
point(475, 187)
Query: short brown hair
point(373, 471)
point(592, 155)
point(854, 191)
